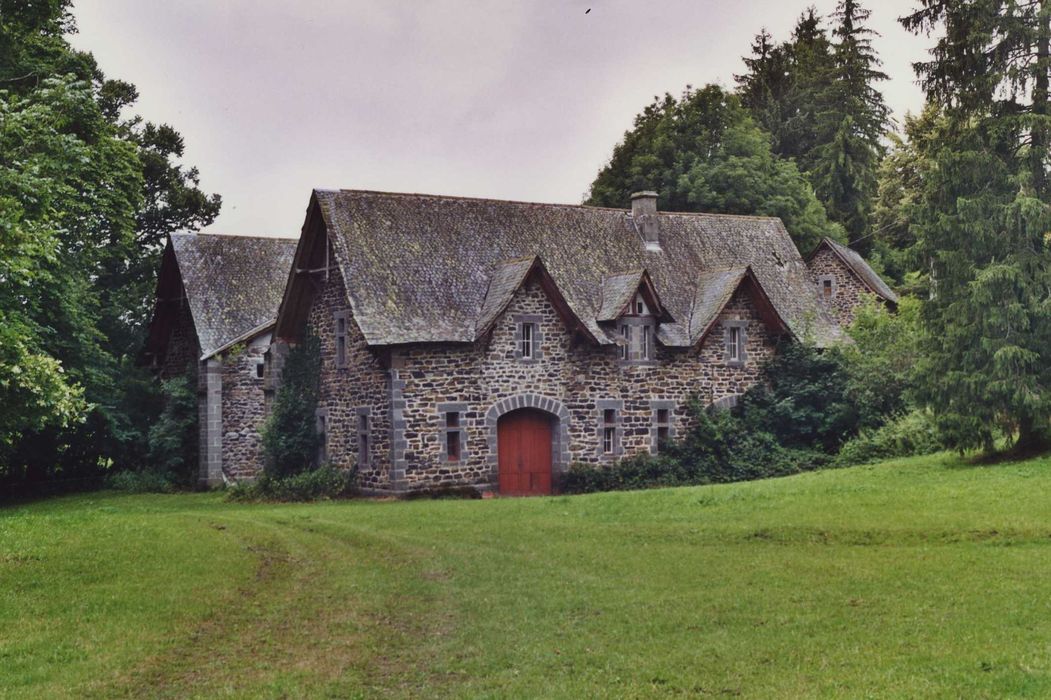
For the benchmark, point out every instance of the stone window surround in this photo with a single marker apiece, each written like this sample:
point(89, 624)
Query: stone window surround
point(321, 422)
point(364, 456)
point(340, 362)
point(601, 406)
point(560, 441)
point(538, 336)
point(461, 409)
point(258, 368)
point(656, 405)
point(821, 286)
point(637, 322)
point(742, 350)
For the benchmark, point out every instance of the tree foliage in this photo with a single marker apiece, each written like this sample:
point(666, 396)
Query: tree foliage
point(985, 218)
point(703, 152)
point(290, 436)
point(85, 199)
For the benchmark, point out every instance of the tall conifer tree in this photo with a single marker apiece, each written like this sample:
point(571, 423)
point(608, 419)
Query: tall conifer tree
point(986, 217)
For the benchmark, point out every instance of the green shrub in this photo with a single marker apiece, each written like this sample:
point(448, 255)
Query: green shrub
point(146, 481)
point(803, 400)
point(290, 439)
point(316, 484)
point(718, 448)
point(172, 439)
point(913, 433)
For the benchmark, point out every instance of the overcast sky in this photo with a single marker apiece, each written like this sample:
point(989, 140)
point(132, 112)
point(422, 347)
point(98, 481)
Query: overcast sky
point(513, 100)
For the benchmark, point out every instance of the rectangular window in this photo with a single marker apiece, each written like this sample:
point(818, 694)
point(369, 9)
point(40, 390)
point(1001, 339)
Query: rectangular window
point(734, 344)
point(644, 352)
point(452, 445)
point(525, 340)
point(662, 425)
point(341, 339)
point(826, 288)
point(363, 437)
point(625, 349)
point(607, 427)
point(259, 366)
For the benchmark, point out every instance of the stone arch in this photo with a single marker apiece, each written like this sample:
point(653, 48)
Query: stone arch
point(560, 444)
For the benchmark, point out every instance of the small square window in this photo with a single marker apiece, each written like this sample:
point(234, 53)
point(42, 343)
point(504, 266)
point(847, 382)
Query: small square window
point(662, 415)
point(452, 419)
point(609, 416)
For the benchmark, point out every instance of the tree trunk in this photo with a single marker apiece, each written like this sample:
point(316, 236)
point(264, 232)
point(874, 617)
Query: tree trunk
point(1031, 439)
point(1039, 140)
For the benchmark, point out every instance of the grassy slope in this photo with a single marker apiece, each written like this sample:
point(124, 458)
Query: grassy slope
point(917, 578)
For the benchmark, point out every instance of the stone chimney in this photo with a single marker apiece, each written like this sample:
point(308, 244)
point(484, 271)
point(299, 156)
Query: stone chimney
point(644, 214)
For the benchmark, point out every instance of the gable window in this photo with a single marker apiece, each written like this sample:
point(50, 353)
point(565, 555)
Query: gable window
point(527, 337)
point(525, 341)
point(734, 344)
point(639, 306)
point(341, 338)
point(827, 288)
point(609, 432)
point(736, 339)
point(364, 437)
point(453, 436)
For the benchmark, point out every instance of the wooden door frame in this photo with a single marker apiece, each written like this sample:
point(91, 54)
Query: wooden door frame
point(559, 432)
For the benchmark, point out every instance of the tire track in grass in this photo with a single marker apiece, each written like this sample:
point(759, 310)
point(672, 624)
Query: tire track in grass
point(325, 613)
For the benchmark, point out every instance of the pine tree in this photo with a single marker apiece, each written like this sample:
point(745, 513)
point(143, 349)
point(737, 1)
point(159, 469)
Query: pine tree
point(985, 220)
point(851, 121)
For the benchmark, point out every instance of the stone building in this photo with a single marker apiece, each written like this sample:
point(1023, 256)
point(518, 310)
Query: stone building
point(843, 279)
point(216, 303)
point(493, 343)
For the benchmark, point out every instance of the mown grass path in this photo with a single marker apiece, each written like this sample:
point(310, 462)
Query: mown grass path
point(921, 578)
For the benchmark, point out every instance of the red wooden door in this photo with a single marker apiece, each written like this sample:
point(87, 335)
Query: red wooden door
point(524, 445)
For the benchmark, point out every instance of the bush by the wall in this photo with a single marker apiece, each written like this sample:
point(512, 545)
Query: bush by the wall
point(803, 400)
point(316, 484)
point(718, 448)
point(172, 439)
point(290, 439)
point(145, 481)
point(913, 433)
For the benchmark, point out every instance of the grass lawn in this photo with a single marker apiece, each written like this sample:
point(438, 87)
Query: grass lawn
point(917, 578)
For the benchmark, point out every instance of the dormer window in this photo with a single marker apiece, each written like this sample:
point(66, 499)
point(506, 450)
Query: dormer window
point(639, 306)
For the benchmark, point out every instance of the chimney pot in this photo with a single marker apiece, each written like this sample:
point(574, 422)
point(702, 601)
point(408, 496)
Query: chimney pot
point(644, 214)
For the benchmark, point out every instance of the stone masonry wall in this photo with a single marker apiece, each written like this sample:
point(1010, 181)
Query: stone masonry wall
point(580, 378)
point(243, 410)
point(847, 290)
point(364, 383)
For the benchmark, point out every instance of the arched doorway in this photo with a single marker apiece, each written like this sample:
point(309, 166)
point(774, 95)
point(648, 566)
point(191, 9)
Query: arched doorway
point(525, 446)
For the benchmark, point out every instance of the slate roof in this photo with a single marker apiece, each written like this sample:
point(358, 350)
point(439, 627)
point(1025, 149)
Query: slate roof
point(428, 268)
point(233, 284)
point(861, 268)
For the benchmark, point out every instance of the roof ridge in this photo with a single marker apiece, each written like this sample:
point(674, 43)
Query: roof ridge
point(189, 234)
point(494, 200)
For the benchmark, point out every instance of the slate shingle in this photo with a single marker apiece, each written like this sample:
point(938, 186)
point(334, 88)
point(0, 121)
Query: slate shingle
point(233, 284)
point(419, 267)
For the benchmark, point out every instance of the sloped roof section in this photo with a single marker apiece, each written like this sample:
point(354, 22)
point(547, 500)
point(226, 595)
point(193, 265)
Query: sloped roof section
point(233, 284)
point(857, 264)
point(714, 290)
point(418, 268)
point(617, 291)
